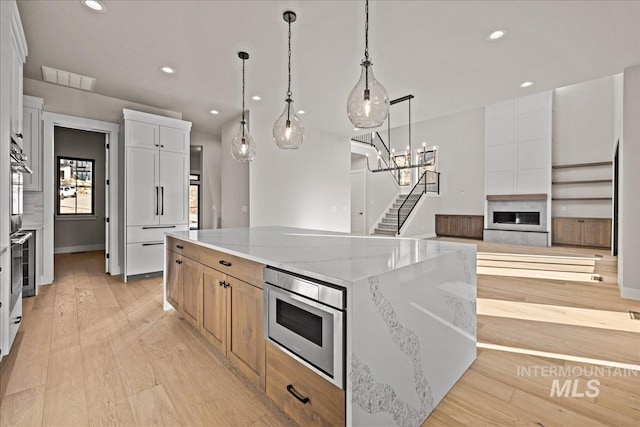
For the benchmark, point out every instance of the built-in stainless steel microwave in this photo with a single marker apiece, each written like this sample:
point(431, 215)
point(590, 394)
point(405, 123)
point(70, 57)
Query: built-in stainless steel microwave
point(306, 319)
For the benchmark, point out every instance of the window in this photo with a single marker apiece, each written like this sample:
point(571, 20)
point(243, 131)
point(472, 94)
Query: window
point(427, 158)
point(194, 202)
point(75, 186)
point(403, 175)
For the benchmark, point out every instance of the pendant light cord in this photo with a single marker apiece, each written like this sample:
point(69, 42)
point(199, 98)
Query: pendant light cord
point(366, 50)
point(289, 83)
point(243, 121)
point(366, 31)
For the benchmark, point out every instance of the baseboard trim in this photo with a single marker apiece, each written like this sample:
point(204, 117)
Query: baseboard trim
point(630, 293)
point(81, 248)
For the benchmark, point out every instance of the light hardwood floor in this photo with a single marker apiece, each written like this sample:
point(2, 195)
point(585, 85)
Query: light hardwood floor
point(95, 351)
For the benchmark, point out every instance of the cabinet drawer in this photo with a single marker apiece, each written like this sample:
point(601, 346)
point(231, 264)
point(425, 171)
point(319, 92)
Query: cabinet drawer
point(144, 258)
point(326, 404)
point(151, 233)
point(184, 248)
point(240, 268)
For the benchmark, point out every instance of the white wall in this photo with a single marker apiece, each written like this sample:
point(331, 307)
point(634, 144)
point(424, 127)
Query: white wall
point(80, 103)
point(382, 188)
point(421, 222)
point(308, 187)
point(583, 122)
point(234, 181)
point(460, 141)
point(75, 235)
point(210, 178)
point(629, 226)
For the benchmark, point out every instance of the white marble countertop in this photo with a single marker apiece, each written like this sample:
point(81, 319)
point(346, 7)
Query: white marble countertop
point(334, 257)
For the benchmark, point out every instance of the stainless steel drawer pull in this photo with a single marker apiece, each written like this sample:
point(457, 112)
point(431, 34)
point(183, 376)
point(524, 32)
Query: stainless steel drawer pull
point(290, 389)
point(153, 227)
point(225, 263)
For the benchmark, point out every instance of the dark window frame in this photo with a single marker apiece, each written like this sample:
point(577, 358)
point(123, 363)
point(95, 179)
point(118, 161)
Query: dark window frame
point(93, 187)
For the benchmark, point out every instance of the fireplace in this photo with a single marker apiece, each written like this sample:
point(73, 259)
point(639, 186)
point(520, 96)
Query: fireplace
point(525, 218)
point(517, 219)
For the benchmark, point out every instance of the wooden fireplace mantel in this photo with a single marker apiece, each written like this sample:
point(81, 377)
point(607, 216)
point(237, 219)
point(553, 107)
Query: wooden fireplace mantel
point(542, 196)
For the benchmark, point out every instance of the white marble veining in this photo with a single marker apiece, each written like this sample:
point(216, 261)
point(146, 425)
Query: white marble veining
point(411, 311)
point(338, 258)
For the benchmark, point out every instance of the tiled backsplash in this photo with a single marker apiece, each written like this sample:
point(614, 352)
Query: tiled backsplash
point(33, 207)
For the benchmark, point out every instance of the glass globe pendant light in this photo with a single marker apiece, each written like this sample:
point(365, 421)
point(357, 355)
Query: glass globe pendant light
point(243, 148)
point(288, 130)
point(368, 103)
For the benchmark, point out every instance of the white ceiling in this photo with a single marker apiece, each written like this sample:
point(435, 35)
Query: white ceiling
point(436, 51)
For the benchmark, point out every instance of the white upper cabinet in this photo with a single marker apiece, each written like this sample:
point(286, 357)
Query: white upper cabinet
point(143, 135)
point(174, 193)
point(172, 139)
point(32, 141)
point(143, 190)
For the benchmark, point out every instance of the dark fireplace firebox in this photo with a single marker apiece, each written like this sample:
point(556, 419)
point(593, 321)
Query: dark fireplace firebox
point(528, 218)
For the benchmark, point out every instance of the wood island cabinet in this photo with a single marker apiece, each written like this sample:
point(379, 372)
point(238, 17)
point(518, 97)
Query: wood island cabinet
point(593, 232)
point(227, 311)
point(467, 226)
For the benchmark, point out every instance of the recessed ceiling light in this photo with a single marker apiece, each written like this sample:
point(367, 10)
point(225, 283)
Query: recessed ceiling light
point(526, 84)
point(300, 111)
point(256, 98)
point(94, 5)
point(356, 128)
point(167, 70)
point(214, 112)
point(497, 34)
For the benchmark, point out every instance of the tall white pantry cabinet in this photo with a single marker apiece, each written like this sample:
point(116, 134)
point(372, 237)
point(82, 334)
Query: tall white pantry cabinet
point(155, 166)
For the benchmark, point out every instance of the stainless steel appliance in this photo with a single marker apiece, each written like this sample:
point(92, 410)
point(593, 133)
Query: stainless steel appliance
point(17, 241)
point(306, 319)
point(29, 265)
point(18, 167)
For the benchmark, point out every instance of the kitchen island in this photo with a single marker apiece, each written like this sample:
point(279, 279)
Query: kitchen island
point(410, 311)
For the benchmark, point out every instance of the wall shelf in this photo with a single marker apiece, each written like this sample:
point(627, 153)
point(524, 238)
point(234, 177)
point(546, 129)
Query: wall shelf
point(586, 181)
point(582, 165)
point(583, 198)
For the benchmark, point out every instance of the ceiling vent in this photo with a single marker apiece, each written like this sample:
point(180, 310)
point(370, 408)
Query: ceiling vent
point(65, 78)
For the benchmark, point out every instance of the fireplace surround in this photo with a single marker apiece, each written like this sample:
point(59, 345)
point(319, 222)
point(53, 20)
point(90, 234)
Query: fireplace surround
point(517, 219)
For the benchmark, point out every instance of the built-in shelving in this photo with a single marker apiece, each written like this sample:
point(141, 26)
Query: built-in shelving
point(582, 198)
point(582, 165)
point(586, 181)
point(582, 189)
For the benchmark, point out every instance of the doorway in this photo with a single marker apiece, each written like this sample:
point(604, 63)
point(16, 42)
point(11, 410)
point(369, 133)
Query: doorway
point(358, 202)
point(51, 176)
point(80, 202)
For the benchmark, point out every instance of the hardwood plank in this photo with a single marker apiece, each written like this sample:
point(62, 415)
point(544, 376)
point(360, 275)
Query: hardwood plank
point(24, 408)
point(153, 407)
point(65, 403)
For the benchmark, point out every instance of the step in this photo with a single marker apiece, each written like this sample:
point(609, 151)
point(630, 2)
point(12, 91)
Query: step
point(384, 232)
point(388, 226)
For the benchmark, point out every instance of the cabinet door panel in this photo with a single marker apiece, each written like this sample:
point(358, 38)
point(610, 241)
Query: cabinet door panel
point(31, 147)
point(245, 342)
point(174, 140)
point(142, 135)
point(142, 183)
point(477, 227)
point(567, 231)
point(442, 225)
point(214, 308)
point(174, 280)
point(174, 188)
point(463, 226)
point(596, 232)
point(192, 291)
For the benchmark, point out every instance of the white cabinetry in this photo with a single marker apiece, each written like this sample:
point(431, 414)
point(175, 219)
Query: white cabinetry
point(156, 187)
point(13, 46)
point(32, 141)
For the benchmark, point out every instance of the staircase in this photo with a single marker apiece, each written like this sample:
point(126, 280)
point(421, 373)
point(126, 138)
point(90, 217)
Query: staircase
point(389, 224)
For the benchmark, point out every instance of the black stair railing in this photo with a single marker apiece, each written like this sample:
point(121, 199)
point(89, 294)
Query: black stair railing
point(429, 182)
